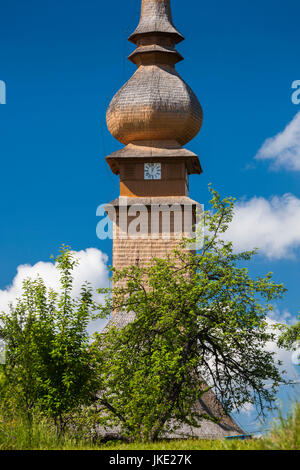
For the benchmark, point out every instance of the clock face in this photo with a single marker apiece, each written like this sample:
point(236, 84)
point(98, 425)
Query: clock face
point(152, 171)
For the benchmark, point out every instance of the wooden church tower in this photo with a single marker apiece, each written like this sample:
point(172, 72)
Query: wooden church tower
point(154, 115)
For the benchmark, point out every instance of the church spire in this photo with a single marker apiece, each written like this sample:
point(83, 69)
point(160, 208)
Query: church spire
point(155, 108)
point(156, 35)
point(156, 18)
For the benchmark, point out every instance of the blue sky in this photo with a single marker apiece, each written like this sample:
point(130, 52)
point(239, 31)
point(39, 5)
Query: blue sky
point(62, 61)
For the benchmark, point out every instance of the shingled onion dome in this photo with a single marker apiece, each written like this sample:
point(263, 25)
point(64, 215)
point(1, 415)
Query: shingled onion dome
point(155, 104)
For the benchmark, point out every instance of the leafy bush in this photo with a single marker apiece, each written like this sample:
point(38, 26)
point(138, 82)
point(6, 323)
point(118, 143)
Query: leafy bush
point(49, 362)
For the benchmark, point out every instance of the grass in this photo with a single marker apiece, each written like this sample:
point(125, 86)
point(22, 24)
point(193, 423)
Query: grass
point(15, 435)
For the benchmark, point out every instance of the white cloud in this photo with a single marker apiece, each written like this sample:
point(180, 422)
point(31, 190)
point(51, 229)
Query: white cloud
point(284, 317)
point(92, 267)
point(283, 149)
point(272, 225)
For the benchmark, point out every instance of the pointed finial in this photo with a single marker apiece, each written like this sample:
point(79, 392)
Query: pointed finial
point(156, 18)
point(156, 35)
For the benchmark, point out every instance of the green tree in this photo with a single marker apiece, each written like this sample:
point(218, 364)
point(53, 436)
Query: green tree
point(49, 362)
point(199, 319)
